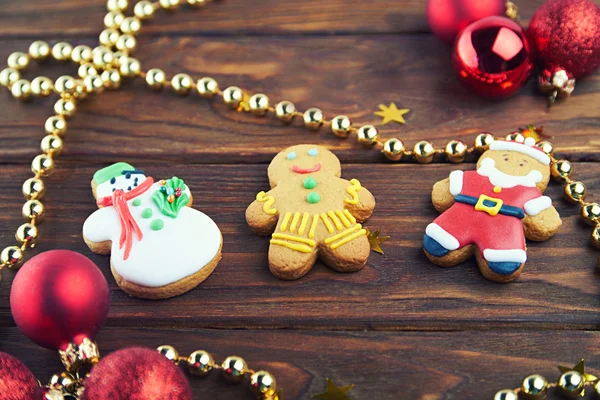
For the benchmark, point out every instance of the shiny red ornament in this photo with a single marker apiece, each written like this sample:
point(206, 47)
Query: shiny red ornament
point(136, 373)
point(448, 17)
point(566, 36)
point(59, 297)
point(493, 57)
point(16, 380)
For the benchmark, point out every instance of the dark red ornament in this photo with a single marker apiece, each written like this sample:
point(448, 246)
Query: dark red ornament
point(566, 36)
point(59, 297)
point(16, 380)
point(448, 17)
point(493, 57)
point(136, 373)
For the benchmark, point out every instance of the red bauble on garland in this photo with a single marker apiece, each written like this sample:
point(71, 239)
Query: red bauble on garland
point(59, 297)
point(493, 57)
point(448, 17)
point(136, 373)
point(566, 36)
point(16, 380)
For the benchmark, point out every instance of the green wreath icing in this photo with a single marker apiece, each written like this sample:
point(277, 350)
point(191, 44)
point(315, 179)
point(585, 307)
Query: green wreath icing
point(171, 187)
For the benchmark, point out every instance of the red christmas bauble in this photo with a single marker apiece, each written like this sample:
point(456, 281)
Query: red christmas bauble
point(493, 57)
point(448, 17)
point(16, 380)
point(136, 373)
point(59, 297)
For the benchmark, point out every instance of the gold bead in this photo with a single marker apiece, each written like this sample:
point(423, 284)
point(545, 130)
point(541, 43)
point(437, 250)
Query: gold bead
point(8, 76)
point(51, 144)
point(21, 89)
point(506, 394)
point(456, 151)
point(341, 126)
point(196, 3)
point(111, 79)
point(33, 209)
point(368, 135)
point(144, 10)
point(424, 152)
point(590, 213)
point(109, 37)
point(170, 352)
point(82, 53)
point(561, 170)
point(102, 57)
point(546, 147)
point(393, 149)
point(596, 237)
point(18, 60)
point(232, 96)
point(200, 362)
point(61, 51)
point(87, 69)
point(27, 233)
point(130, 67)
point(575, 191)
point(534, 387)
point(182, 84)
point(12, 256)
point(93, 84)
point(116, 5)
point(263, 384)
point(131, 25)
point(42, 86)
point(33, 188)
point(39, 50)
point(42, 164)
point(234, 368)
point(285, 111)
point(516, 137)
point(126, 43)
point(119, 58)
point(571, 384)
point(156, 78)
point(65, 84)
point(65, 108)
point(169, 4)
point(313, 118)
point(207, 87)
point(113, 19)
point(259, 104)
point(56, 126)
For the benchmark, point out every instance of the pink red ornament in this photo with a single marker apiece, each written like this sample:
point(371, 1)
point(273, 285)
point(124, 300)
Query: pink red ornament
point(493, 57)
point(448, 17)
point(566, 36)
point(136, 373)
point(59, 297)
point(16, 380)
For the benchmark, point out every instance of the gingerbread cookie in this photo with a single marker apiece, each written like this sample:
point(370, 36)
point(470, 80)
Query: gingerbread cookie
point(311, 213)
point(159, 246)
point(489, 212)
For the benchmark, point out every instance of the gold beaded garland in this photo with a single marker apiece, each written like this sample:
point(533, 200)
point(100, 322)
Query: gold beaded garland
point(596, 237)
point(113, 19)
point(571, 384)
point(182, 84)
point(102, 57)
point(8, 76)
point(27, 233)
point(33, 209)
point(200, 363)
point(169, 5)
point(156, 78)
point(546, 147)
point(207, 87)
point(42, 86)
point(259, 104)
point(393, 149)
point(575, 191)
point(456, 151)
point(33, 188)
point(86, 69)
point(561, 170)
point(39, 50)
point(233, 96)
point(56, 126)
point(196, 3)
point(93, 84)
point(65, 84)
point(313, 118)
point(516, 137)
point(116, 5)
point(18, 60)
point(341, 126)
point(129, 67)
point(111, 78)
point(42, 164)
point(424, 152)
point(534, 387)
point(263, 384)
point(21, 89)
point(82, 53)
point(234, 368)
point(11, 256)
point(61, 51)
point(590, 213)
point(131, 25)
point(506, 394)
point(143, 10)
point(109, 37)
point(169, 352)
point(51, 145)
point(368, 135)
point(285, 111)
point(126, 43)
point(65, 108)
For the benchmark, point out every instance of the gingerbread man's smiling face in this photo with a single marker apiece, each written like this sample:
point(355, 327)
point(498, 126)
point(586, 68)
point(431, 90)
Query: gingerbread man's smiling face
point(298, 162)
point(519, 166)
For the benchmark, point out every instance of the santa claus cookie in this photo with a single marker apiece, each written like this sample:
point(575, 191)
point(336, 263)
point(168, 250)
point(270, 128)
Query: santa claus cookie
point(159, 246)
point(311, 213)
point(489, 212)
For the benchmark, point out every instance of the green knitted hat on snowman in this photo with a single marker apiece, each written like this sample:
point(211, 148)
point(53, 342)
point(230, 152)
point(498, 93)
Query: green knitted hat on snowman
point(112, 171)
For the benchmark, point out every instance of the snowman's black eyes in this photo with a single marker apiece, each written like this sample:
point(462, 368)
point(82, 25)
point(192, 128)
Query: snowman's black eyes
point(113, 180)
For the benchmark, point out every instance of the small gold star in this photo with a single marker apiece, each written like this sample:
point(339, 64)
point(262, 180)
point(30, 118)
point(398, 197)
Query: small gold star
point(580, 367)
point(375, 241)
point(332, 392)
point(391, 113)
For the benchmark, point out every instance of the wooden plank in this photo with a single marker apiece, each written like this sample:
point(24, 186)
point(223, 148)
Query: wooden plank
point(387, 366)
point(343, 75)
point(231, 17)
point(400, 290)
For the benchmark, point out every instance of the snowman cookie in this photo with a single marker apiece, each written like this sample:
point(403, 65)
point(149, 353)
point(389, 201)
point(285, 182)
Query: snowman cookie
point(160, 247)
point(310, 213)
point(489, 212)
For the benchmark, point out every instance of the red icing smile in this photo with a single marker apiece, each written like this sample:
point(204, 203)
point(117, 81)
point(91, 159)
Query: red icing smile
point(299, 170)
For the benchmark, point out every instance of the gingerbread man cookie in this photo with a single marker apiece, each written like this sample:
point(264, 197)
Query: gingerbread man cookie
point(311, 213)
point(159, 246)
point(489, 212)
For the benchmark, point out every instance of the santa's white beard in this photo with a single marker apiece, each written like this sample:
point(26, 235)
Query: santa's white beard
point(504, 180)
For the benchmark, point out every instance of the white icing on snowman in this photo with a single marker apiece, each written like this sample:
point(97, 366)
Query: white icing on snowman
point(128, 181)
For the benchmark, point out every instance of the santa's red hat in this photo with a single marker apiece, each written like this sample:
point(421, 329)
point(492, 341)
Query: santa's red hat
point(528, 147)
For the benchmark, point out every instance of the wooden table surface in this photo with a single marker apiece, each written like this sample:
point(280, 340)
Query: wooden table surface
point(399, 329)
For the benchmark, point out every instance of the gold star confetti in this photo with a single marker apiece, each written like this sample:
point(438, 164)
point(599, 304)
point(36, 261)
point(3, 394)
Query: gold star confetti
point(391, 113)
point(375, 241)
point(332, 392)
point(580, 367)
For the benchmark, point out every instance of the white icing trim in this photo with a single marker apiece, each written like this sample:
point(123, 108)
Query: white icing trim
point(537, 205)
point(505, 181)
point(524, 148)
point(516, 255)
point(456, 182)
point(438, 234)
